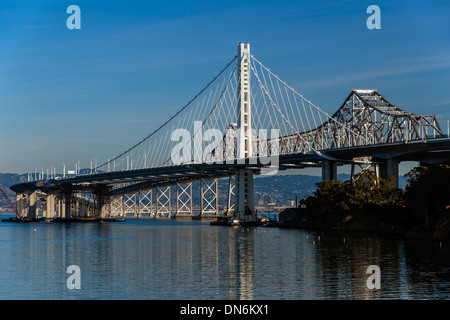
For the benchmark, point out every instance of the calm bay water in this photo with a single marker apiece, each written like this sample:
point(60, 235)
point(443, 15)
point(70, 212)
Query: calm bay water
point(167, 259)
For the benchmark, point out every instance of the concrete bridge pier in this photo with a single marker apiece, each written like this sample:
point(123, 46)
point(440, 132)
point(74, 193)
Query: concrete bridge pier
point(21, 204)
point(329, 170)
point(83, 207)
point(67, 204)
point(389, 168)
point(26, 204)
point(61, 207)
point(50, 203)
point(244, 199)
point(102, 193)
point(32, 198)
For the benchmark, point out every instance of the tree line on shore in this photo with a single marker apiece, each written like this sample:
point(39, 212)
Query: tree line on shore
point(367, 202)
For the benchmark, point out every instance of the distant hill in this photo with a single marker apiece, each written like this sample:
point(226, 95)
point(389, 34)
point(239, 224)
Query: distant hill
point(285, 187)
point(6, 181)
point(9, 179)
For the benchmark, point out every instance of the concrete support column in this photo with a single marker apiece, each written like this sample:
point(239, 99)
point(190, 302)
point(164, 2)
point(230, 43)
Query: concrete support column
point(21, 205)
point(245, 204)
point(82, 207)
point(67, 204)
point(329, 170)
point(389, 169)
point(76, 207)
point(33, 205)
point(50, 205)
point(62, 208)
point(59, 207)
point(102, 208)
point(102, 196)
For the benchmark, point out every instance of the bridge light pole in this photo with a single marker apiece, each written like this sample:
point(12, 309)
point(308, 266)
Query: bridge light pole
point(244, 207)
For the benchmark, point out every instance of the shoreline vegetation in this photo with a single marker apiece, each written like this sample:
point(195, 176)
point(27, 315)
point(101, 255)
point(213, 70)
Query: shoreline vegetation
point(377, 206)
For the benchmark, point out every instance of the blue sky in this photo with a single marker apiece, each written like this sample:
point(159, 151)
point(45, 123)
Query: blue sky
point(76, 95)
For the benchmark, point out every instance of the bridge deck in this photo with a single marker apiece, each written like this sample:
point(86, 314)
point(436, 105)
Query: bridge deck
point(422, 150)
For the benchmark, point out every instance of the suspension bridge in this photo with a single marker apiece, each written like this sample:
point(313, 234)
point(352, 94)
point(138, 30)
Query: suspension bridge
point(246, 121)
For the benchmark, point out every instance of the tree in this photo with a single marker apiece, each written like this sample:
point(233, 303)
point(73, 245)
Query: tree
point(363, 191)
point(427, 192)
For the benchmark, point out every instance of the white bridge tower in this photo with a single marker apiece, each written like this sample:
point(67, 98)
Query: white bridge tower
point(244, 207)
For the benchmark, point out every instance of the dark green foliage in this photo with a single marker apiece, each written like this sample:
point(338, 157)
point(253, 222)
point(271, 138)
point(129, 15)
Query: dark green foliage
point(367, 203)
point(364, 191)
point(428, 191)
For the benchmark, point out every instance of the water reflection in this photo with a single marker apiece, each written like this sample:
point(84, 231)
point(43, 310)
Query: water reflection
point(147, 259)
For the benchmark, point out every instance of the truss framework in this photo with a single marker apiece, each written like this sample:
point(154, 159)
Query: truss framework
point(129, 204)
point(184, 199)
point(209, 194)
point(370, 119)
point(116, 207)
point(145, 202)
point(163, 204)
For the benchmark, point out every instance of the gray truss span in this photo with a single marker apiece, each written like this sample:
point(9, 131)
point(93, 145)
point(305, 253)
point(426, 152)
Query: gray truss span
point(365, 118)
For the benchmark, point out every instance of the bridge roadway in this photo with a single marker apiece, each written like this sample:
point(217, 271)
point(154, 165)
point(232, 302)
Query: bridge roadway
point(430, 150)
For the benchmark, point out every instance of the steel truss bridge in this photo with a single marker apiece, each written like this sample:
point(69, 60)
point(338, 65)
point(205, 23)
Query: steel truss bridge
point(245, 122)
